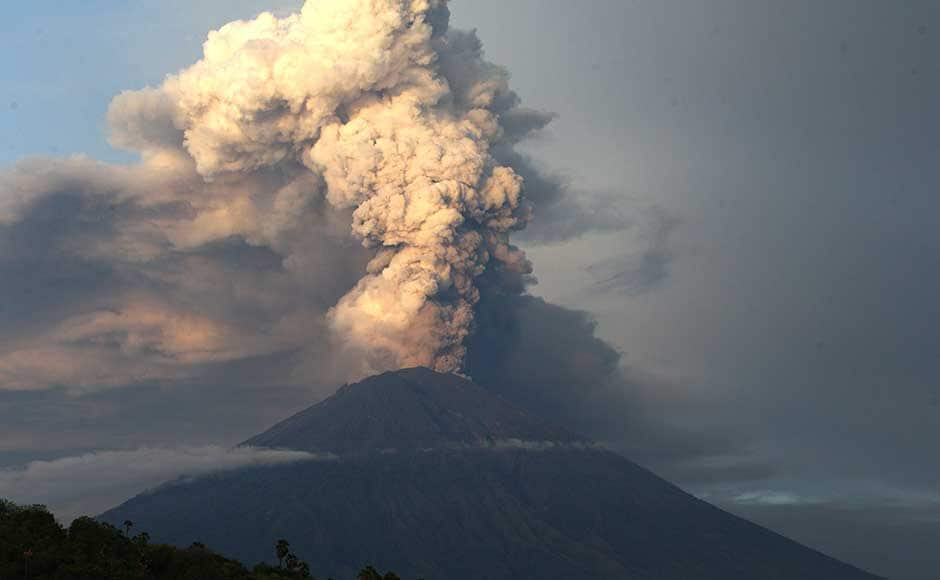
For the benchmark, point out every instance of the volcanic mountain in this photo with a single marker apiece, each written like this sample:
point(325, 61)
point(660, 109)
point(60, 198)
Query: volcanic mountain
point(433, 476)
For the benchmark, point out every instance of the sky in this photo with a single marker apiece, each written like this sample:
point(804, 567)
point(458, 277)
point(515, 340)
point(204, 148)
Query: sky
point(755, 235)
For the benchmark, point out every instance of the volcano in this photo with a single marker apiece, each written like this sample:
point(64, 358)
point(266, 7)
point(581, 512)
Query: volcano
point(433, 476)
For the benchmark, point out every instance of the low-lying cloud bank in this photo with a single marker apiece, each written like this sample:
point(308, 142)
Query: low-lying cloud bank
point(913, 503)
point(91, 483)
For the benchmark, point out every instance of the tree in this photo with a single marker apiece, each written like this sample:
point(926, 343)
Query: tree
point(27, 555)
point(282, 549)
point(369, 573)
point(34, 546)
point(293, 562)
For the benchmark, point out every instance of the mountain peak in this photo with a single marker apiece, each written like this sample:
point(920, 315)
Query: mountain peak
point(455, 503)
point(408, 409)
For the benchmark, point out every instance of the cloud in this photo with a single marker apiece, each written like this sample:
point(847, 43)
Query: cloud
point(711, 464)
point(90, 483)
point(909, 503)
point(646, 265)
point(120, 275)
point(144, 121)
point(560, 212)
point(548, 359)
point(523, 445)
point(773, 498)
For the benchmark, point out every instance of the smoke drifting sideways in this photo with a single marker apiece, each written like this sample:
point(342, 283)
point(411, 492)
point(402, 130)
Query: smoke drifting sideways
point(335, 190)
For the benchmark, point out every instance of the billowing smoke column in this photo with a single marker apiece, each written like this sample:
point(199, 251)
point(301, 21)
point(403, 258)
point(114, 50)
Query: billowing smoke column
point(397, 118)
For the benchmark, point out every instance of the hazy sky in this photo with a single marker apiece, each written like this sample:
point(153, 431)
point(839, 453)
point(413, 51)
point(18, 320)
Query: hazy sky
point(777, 166)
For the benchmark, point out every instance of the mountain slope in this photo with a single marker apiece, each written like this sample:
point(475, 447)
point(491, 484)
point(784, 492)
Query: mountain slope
point(435, 477)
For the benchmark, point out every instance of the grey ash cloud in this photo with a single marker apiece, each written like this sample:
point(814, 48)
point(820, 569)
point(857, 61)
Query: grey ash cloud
point(646, 265)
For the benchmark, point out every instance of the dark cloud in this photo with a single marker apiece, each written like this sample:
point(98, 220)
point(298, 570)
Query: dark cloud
point(560, 213)
point(646, 265)
point(548, 359)
point(116, 277)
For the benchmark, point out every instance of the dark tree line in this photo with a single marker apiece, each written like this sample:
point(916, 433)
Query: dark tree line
point(34, 546)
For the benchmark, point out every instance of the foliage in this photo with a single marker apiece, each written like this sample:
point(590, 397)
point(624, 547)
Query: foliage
point(34, 546)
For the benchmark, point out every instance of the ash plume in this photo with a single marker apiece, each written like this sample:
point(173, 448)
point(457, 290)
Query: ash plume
point(377, 108)
point(334, 190)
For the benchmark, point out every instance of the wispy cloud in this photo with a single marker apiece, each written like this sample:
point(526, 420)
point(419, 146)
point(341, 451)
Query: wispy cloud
point(846, 496)
point(774, 498)
point(93, 482)
point(644, 265)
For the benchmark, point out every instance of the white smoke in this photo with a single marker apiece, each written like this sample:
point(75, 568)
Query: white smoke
point(376, 107)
